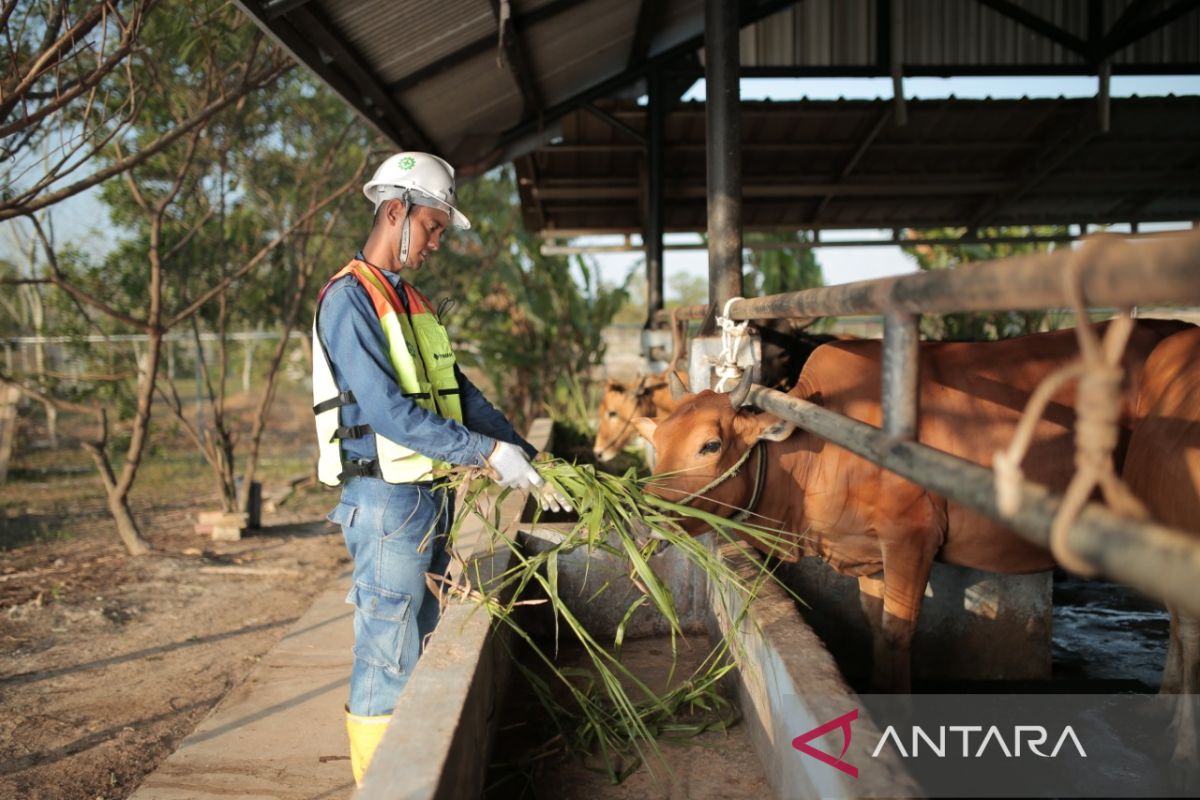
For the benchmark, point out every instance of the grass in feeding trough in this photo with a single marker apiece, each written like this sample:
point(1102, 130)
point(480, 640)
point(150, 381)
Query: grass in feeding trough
point(606, 711)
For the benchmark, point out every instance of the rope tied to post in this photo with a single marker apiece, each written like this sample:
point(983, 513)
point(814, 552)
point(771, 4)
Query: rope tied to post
point(733, 335)
point(1097, 417)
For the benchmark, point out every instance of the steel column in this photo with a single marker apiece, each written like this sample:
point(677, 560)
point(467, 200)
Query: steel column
point(722, 113)
point(653, 236)
point(901, 373)
point(1157, 560)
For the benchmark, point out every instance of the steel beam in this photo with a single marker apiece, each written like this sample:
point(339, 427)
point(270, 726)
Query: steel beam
point(1039, 25)
point(552, 249)
point(514, 54)
point(371, 91)
point(1122, 36)
point(971, 70)
point(613, 122)
point(864, 144)
point(643, 33)
point(1157, 560)
point(277, 8)
point(480, 46)
point(748, 12)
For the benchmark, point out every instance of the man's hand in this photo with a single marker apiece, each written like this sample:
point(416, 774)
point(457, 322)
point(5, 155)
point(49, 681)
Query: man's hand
point(513, 469)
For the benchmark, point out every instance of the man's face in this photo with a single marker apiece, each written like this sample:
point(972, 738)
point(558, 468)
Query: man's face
point(425, 234)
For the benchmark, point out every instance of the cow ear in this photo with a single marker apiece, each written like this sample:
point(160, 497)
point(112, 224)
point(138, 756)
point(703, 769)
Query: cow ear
point(645, 427)
point(766, 426)
point(777, 430)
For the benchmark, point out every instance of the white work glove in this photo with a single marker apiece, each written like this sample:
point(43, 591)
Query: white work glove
point(513, 469)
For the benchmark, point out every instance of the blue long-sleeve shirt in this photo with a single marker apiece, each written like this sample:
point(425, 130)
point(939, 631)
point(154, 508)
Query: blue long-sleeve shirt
point(355, 342)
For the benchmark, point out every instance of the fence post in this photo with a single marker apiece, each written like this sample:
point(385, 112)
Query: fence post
point(248, 364)
point(9, 395)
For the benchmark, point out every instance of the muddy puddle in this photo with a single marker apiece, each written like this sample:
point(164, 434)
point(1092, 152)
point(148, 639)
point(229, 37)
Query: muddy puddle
point(527, 763)
point(1107, 636)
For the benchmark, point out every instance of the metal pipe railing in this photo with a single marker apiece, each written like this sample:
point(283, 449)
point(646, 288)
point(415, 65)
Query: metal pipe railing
point(901, 373)
point(1114, 273)
point(1157, 560)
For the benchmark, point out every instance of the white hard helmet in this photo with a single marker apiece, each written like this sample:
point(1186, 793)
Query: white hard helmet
point(419, 178)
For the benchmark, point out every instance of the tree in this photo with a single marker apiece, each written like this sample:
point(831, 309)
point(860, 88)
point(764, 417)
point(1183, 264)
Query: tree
point(686, 289)
point(75, 84)
point(528, 320)
point(188, 245)
point(978, 326)
point(775, 270)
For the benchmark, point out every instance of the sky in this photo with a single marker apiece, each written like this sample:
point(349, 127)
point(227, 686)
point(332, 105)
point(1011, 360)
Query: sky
point(77, 219)
point(849, 264)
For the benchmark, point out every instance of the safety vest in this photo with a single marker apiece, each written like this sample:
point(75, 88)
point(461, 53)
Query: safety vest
point(419, 350)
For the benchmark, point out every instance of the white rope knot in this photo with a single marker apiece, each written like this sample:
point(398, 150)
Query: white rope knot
point(733, 334)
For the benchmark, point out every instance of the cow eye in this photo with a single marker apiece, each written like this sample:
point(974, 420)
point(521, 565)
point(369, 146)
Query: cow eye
point(612, 415)
point(712, 446)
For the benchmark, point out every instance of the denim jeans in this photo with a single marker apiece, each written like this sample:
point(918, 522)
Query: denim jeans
point(395, 534)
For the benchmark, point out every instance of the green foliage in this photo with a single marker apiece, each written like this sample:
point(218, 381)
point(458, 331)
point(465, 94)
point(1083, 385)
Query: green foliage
point(686, 289)
point(605, 709)
point(528, 319)
point(773, 271)
point(981, 325)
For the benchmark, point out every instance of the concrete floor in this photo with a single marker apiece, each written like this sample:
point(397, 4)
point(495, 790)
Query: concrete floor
point(281, 734)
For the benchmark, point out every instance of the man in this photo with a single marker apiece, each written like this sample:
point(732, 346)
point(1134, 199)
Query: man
point(391, 408)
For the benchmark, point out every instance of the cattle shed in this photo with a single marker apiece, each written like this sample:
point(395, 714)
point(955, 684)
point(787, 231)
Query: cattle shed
point(816, 165)
point(584, 97)
point(552, 85)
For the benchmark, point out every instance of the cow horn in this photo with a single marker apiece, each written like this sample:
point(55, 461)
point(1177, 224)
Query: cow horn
point(737, 397)
point(677, 388)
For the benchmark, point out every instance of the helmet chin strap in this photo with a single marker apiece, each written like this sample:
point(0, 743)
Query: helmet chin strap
point(408, 206)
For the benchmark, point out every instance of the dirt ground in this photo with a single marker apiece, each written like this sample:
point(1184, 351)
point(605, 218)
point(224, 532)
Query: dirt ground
point(107, 662)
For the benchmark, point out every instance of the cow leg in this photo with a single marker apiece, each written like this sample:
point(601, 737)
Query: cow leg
point(870, 597)
point(906, 565)
point(1185, 760)
point(1173, 671)
point(907, 560)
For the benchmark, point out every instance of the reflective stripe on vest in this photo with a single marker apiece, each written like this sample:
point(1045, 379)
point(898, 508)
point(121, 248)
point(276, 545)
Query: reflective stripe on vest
point(420, 353)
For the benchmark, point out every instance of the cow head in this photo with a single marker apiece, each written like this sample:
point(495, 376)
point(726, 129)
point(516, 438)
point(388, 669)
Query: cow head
point(619, 406)
point(702, 440)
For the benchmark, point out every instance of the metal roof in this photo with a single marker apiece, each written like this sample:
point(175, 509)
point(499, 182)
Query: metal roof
point(440, 77)
point(845, 164)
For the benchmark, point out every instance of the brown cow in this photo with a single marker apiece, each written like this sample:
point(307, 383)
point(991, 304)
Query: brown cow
point(621, 403)
point(1162, 468)
point(784, 353)
point(862, 519)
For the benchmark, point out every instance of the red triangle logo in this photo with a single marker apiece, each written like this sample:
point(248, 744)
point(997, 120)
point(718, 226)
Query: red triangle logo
point(801, 742)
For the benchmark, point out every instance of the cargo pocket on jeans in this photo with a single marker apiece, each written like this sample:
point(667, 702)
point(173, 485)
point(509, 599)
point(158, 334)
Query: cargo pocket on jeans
point(342, 514)
point(380, 626)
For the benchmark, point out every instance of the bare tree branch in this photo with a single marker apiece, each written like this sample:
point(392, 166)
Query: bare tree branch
point(30, 201)
point(258, 257)
point(50, 52)
point(37, 394)
point(60, 280)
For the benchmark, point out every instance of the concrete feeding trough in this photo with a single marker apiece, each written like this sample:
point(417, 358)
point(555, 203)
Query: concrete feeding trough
point(442, 732)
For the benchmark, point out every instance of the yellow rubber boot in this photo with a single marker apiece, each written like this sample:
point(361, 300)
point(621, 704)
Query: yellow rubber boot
point(365, 735)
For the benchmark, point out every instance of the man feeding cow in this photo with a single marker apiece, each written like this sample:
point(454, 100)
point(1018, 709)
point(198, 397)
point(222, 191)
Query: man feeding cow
point(863, 520)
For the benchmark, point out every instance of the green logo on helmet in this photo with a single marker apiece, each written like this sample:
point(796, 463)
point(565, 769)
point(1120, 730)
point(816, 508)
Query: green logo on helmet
point(408, 162)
